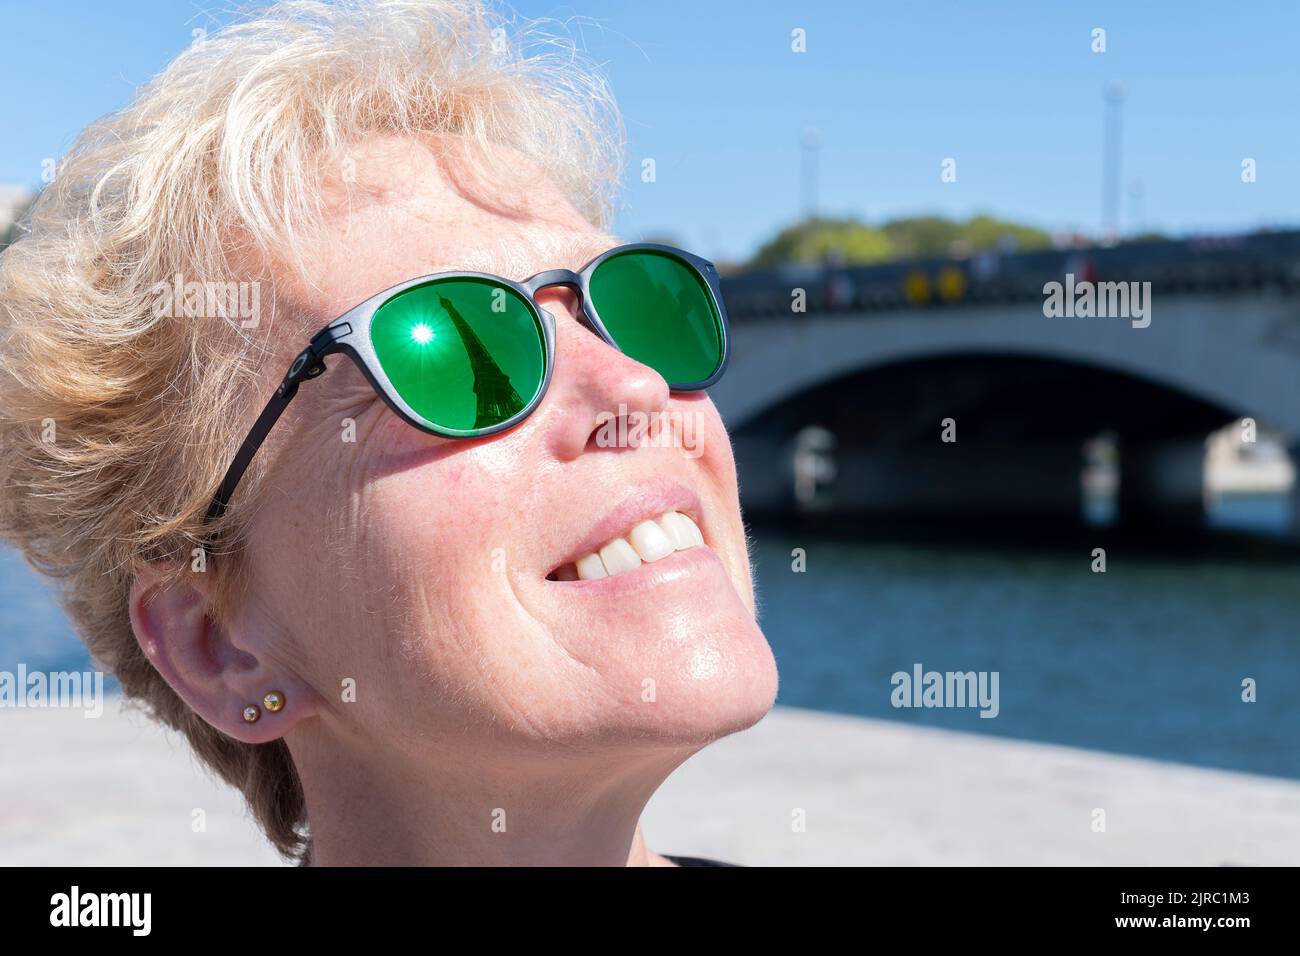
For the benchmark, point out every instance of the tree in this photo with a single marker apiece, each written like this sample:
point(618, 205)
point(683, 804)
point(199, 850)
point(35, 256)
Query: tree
point(815, 240)
point(850, 242)
point(927, 236)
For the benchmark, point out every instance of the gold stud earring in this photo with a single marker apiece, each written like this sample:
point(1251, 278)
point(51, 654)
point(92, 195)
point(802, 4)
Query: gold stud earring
point(274, 701)
point(251, 713)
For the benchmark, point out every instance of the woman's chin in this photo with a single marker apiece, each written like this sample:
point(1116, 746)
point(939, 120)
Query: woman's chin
point(672, 648)
point(692, 686)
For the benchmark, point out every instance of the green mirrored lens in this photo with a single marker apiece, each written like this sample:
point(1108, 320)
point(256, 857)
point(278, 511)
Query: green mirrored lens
point(464, 353)
point(660, 312)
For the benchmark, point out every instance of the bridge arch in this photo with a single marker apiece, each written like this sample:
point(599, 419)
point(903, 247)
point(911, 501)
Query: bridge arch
point(1239, 352)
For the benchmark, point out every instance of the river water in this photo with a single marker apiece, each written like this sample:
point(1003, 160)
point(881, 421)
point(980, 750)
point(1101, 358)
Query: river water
point(1146, 659)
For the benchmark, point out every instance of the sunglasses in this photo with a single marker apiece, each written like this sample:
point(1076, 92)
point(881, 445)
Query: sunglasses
point(464, 354)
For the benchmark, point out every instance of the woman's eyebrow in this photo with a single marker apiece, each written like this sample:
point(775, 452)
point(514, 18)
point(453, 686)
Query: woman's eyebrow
point(521, 262)
point(587, 248)
point(600, 248)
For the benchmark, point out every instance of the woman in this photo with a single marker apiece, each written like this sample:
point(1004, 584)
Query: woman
point(441, 618)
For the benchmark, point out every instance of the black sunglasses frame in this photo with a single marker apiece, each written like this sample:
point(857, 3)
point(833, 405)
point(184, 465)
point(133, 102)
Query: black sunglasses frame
point(349, 334)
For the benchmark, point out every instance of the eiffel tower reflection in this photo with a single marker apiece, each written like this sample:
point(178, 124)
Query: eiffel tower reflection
point(497, 398)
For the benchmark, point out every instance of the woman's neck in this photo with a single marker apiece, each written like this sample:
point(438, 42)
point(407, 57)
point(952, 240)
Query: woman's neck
point(555, 812)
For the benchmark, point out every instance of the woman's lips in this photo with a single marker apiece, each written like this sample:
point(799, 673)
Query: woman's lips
point(692, 564)
point(650, 540)
point(653, 522)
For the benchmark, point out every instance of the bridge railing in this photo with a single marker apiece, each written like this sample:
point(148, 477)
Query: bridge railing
point(1208, 266)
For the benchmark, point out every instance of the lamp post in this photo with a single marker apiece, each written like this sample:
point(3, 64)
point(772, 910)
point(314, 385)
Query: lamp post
point(1114, 95)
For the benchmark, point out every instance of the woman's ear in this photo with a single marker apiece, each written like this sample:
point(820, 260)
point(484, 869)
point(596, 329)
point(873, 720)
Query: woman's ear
point(208, 669)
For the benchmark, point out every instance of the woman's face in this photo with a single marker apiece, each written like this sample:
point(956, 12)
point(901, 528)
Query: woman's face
point(436, 577)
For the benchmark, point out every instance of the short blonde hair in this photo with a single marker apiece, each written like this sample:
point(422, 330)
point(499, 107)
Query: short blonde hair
point(214, 164)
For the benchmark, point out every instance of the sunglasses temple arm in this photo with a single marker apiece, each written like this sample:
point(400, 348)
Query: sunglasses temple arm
point(306, 365)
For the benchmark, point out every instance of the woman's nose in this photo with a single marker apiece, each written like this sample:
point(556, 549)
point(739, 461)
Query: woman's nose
point(592, 382)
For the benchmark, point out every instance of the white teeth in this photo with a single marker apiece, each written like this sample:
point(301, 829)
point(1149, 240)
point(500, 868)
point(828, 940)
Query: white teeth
point(649, 541)
point(682, 530)
point(619, 556)
point(591, 567)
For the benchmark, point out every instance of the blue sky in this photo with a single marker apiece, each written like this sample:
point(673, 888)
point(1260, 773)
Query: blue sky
point(712, 92)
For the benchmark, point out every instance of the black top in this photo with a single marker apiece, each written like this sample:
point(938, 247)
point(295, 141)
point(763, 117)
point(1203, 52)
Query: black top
point(696, 861)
